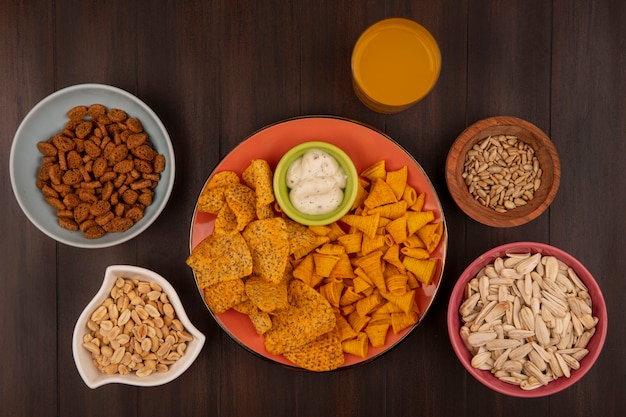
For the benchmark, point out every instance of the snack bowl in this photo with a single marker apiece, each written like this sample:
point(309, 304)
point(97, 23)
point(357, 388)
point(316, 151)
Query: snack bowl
point(48, 118)
point(281, 190)
point(534, 204)
point(94, 377)
point(487, 376)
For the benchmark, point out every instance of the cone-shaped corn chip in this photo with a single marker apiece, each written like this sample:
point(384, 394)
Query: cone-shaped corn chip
point(371, 264)
point(397, 180)
point(392, 256)
point(324, 264)
point(390, 211)
point(368, 304)
point(360, 285)
point(366, 224)
point(351, 242)
point(335, 231)
point(357, 321)
point(332, 292)
point(343, 268)
point(431, 234)
point(418, 219)
point(344, 329)
point(389, 308)
point(349, 296)
point(377, 332)
point(424, 269)
point(361, 194)
point(414, 242)
point(331, 249)
point(357, 347)
point(397, 284)
point(405, 301)
point(371, 244)
point(398, 229)
point(419, 202)
point(417, 253)
point(400, 321)
point(409, 196)
point(375, 171)
point(411, 281)
point(380, 194)
point(305, 270)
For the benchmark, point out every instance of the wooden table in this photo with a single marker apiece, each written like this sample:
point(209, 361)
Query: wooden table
point(216, 71)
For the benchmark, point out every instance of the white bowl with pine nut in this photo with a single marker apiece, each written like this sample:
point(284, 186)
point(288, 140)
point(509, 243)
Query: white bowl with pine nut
point(115, 355)
point(48, 118)
point(571, 347)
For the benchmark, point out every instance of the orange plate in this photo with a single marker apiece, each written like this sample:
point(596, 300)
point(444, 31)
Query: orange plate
point(365, 146)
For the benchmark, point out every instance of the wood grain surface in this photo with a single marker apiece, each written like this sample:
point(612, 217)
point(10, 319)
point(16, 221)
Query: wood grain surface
point(216, 71)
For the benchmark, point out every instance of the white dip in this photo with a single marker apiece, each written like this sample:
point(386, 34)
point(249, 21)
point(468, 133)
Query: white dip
point(316, 182)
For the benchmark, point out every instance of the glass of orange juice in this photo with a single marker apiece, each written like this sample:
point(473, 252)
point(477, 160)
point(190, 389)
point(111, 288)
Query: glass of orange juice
point(395, 63)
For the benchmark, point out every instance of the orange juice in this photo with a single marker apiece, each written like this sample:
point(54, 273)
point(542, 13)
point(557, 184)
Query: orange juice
point(395, 63)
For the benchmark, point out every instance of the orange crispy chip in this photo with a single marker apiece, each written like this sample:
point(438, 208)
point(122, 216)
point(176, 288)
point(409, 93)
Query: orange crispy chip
point(265, 212)
point(267, 296)
point(397, 229)
point(392, 256)
point(368, 304)
point(331, 291)
point(222, 179)
point(322, 354)
point(375, 171)
point(225, 221)
point(400, 321)
point(261, 322)
point(351, 242)
point(424, 269)
point(246, 307)
point(417, 253)
point(242, 201)
point(357, 321)
point(371, 244)
point(405, 301)
point(371, 264)
point(343, 268)
point(220, 258)
point(366, 224)
point(397, 180)
point(418, 205)
point(391, 210)
point(258, 176)
point(418, 219)
point(409, 195)
point(380, 194)
point(224, 295)
point(358, 346)
point(211, 200)
point(269, 247)
point(324, 264)
point(376, 331)
point(431, 234)
point(346, 331)
point(397, 283)
point(307, 317)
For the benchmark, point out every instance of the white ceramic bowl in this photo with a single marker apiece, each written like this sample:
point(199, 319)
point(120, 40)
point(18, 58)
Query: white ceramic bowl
point(88, 371)
point(47, 118)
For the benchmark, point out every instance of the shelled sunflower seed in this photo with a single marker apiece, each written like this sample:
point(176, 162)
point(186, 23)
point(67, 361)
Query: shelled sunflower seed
point(502, 172)
point(527, 318)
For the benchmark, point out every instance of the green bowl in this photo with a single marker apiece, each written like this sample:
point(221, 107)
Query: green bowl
point(281, 191)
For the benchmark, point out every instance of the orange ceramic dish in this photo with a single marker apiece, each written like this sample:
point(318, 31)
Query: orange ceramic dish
point(358, 141)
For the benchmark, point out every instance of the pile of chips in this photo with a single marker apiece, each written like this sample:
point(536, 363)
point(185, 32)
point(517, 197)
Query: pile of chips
point(316, 293)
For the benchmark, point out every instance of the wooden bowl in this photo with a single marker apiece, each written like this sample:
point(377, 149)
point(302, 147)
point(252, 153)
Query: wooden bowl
point(525, 132)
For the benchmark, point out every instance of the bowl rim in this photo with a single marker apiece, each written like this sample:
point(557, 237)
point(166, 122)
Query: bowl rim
point(484, 377)
point(279, 185)
point(458, 188)
point(111, 274)
point(134, 231)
